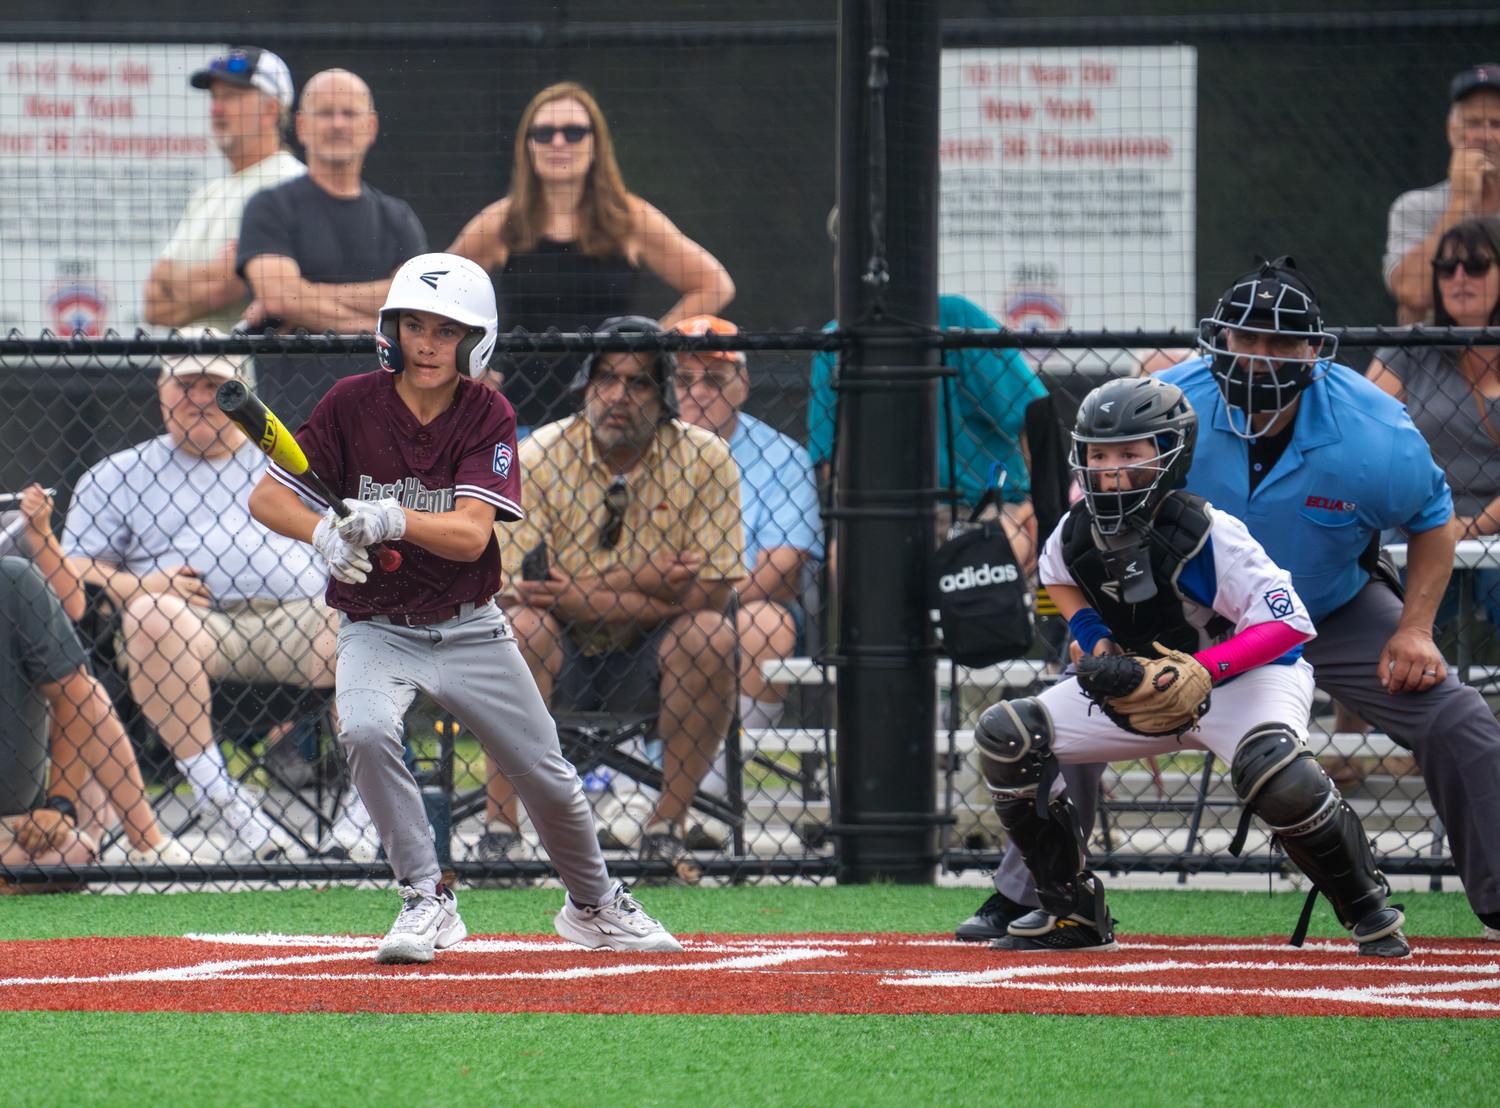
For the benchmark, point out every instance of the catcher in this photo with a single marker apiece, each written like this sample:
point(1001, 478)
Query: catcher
point(1191, 639)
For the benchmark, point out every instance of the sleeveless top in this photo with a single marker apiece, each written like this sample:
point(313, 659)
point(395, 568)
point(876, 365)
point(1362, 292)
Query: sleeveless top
point(1442, 404)
point(555, 285)
point(1177, 534)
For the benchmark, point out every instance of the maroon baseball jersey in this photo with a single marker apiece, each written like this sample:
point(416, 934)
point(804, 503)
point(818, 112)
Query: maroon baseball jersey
point(366, 444)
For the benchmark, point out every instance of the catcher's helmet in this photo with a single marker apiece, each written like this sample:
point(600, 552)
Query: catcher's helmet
point(1273, 299)
point(1128, 410)
point(448, 286)
point(663, 365)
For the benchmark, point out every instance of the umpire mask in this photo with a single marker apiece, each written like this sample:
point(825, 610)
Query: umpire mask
point(1277, 302)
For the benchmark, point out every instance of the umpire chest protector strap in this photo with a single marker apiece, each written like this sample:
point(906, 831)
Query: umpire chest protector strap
point(1178, 533)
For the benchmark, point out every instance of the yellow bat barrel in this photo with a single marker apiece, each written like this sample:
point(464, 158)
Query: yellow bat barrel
point(261, 425)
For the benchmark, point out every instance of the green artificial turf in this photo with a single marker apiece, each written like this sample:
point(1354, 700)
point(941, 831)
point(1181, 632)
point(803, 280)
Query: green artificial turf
point(72, 1059)
point(69, 1059)
point(764, 909)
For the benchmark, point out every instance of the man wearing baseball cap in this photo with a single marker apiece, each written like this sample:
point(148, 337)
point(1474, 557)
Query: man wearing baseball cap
point(194, 284)
point(1419, 218)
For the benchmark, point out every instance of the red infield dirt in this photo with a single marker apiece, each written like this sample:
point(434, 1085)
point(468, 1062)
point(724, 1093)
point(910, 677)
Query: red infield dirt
point(738, 974)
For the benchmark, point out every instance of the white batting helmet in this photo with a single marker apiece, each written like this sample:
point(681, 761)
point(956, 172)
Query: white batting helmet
point(446, 285)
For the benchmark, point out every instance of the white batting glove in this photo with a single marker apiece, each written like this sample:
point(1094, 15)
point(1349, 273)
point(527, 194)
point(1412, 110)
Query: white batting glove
point(372, 521)
point(346, 562)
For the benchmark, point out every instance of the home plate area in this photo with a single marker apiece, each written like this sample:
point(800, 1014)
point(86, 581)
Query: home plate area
point(1151, 975)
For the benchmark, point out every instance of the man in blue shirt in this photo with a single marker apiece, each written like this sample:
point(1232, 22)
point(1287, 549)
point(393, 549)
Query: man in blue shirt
point(1317, 461)
point(778, 505)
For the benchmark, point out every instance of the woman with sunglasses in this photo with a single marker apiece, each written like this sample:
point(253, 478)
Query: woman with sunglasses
point(568, 243)
point(1453, 392)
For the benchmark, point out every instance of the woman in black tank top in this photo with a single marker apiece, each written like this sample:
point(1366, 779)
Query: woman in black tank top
point(567, 246)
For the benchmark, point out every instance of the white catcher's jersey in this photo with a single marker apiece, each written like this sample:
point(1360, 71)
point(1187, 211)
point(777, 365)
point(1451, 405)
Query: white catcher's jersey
point(1231, 576)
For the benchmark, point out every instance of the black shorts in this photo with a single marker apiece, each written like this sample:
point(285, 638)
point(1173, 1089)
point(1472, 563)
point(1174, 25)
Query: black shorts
point(622, 682)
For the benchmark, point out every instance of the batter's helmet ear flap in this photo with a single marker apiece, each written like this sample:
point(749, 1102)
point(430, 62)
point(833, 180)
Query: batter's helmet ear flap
point(388, 342)
point(465, 352)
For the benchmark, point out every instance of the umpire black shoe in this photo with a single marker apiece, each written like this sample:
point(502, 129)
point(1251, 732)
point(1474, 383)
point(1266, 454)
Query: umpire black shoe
point(1043, 931)
point(991, 920)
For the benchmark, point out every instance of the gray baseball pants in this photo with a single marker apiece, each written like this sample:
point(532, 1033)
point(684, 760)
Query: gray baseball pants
point(472, 666)
point(1449, 729)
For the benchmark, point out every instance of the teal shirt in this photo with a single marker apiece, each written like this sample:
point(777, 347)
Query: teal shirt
point(986, 407)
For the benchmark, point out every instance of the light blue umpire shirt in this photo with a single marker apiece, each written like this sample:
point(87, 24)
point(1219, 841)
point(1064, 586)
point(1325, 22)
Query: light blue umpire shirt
point(778, 499)
point(1356, 465)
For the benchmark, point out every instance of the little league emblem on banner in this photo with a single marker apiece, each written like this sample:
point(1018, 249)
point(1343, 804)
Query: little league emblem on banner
point(503, 458)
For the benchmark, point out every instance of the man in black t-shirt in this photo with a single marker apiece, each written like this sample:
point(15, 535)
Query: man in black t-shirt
point(319, 251)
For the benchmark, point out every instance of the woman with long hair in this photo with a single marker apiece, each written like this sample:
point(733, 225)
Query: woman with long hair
point(1453, 392)
point(568, 242)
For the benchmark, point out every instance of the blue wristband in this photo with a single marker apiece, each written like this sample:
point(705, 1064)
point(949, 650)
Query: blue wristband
point(1088, 629)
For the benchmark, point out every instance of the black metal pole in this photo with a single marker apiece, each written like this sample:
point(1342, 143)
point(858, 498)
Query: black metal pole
point(886, 462)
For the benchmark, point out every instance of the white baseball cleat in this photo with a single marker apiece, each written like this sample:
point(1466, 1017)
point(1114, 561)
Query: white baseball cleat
point(426, 923)
point(620, 923)
point(1492, 934)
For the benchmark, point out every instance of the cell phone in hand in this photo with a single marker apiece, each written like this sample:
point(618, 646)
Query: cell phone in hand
point(534, 565)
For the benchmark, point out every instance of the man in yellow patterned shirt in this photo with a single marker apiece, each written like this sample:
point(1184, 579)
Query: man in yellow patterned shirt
point(640, 516)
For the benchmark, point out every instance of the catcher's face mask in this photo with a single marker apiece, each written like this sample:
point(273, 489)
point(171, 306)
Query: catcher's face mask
point(1120, 478)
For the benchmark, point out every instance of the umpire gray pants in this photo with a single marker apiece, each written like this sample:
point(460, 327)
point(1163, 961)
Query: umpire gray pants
point(472, 666)
point(1449, 729)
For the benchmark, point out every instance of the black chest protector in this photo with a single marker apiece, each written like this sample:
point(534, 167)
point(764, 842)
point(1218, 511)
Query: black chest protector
point(1178, 532)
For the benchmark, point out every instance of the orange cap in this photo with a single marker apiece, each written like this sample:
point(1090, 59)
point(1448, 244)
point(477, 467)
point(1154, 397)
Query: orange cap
point(710, 325)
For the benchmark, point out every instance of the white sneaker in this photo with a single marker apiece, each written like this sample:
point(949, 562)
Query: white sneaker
point(426, 923)
point(620, 923)
point(255, 835)
point(1492, 934)
point(169, 853)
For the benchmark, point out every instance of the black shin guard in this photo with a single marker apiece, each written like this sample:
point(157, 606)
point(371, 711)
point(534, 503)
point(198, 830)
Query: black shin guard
point(1278, 778)
point(1015, 754)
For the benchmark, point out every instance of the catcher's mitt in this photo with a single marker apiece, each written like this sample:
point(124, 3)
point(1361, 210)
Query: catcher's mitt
point(1149, 696)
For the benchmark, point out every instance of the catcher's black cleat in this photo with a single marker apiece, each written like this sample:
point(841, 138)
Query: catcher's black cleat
point(1046, 932)
point(990, 922)
point(1379, 934)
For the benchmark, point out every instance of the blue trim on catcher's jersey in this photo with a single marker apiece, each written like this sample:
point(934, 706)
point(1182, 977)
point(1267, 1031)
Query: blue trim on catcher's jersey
point(1198, 580)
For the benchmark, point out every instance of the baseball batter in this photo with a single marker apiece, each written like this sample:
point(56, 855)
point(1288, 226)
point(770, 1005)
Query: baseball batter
point(427, 458)
point(1192, 639)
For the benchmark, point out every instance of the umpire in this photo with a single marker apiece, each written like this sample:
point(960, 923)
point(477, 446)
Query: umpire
point(1317, 461)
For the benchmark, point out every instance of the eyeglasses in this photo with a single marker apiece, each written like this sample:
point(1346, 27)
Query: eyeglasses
point(1474, 267)
point(572, 134)
point(616, 501)
point(720, 376)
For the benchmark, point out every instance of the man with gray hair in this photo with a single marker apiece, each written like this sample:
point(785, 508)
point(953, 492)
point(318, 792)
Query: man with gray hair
point(206, 592)
point(320, 251)
point(194, 283)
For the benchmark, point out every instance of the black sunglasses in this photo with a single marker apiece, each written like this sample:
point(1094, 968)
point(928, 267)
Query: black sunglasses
point(616, 501)
point(1474, 267)
point(572, 134)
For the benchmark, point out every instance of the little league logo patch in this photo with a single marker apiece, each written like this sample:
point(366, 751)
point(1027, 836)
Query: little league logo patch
point(503, 457)
point(1280, 602)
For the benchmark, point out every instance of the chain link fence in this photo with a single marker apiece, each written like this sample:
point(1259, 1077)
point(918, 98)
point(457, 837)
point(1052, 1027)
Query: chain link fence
point(180, 663)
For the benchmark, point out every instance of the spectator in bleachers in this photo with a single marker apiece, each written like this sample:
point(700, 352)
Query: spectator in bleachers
point(1453, 392)
point(779, 506)
point(319, 251)
point(207, 593)
point(194, 283)
point(986, 410)
point(1419, 218)
point(44, 674)
point(640, 515)
point(568, 243)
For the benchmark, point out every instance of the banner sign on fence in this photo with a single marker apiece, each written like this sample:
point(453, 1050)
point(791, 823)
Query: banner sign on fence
point(100, 148)
point(1068, 185)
